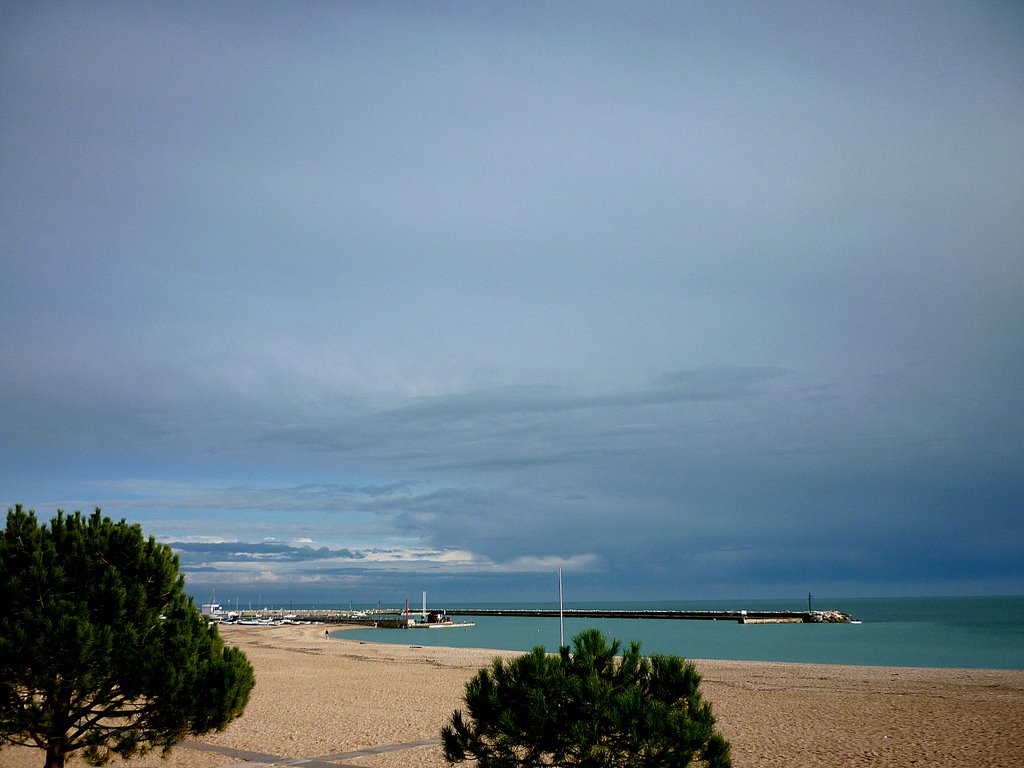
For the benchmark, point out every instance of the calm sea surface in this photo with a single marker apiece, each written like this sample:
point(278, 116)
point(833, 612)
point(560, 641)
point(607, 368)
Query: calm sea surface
point(977, 632)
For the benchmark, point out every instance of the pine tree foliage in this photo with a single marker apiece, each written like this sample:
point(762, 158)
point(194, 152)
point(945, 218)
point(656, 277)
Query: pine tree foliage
point(587, 708)
point(101, 650)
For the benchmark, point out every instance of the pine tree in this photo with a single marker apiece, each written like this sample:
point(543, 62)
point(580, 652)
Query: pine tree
point(585, 707)
point(101, 650)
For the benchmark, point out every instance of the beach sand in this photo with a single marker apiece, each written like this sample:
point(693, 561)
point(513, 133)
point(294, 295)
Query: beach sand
point(337, 701)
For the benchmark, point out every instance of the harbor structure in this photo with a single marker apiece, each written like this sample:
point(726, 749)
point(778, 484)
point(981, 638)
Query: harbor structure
point(741, 616)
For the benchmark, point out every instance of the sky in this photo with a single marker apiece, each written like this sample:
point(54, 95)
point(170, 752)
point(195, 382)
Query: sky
point(349, 301)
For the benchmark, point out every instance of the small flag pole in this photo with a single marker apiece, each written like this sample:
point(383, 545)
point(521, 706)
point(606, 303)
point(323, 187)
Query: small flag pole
point(561, 620)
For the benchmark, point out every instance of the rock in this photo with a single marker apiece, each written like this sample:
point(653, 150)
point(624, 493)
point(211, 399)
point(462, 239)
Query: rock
point(830, 617)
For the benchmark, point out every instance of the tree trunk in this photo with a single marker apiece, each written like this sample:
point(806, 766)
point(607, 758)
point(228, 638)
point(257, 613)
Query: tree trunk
point(54, 758)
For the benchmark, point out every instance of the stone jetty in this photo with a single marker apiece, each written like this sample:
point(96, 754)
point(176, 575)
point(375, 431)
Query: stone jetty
point(741, 616)
point(397, 618)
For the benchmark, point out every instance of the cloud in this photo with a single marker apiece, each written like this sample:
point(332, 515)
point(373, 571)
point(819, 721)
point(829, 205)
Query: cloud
point(276, 566)
point(258, 551)
point(550, 564)
point(681, 299)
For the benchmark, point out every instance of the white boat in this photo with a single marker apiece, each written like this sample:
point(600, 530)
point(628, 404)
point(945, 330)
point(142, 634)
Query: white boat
point(441, 624)
point(436, 620)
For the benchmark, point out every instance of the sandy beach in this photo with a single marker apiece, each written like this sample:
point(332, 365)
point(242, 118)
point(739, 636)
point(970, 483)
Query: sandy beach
point(324, 702)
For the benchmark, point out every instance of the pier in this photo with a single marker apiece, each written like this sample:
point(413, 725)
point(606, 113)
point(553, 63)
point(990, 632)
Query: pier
point(391, 617)
point(741, 616)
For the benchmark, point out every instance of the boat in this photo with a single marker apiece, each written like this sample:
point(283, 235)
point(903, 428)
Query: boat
point(440, 621)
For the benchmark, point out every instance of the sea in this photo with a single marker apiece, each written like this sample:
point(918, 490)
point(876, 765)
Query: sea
point(944, 632)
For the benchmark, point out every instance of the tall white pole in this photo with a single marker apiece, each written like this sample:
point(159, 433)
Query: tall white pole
point(424, 605)
point(561, 620)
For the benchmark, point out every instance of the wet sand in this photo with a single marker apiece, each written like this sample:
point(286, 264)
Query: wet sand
point(339, 701)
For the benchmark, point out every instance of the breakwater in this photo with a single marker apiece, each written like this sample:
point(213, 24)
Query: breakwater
point(741, 616)
point(397, 618)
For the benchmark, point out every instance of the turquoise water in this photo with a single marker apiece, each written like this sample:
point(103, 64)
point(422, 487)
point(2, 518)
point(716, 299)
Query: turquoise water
point(979, 632)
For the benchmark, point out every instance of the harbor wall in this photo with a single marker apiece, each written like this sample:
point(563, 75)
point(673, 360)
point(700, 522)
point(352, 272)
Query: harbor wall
point(741, 616)
point(396, 618)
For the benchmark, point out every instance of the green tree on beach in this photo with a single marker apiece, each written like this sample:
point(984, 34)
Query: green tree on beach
point(585, 707)
point(101, 650)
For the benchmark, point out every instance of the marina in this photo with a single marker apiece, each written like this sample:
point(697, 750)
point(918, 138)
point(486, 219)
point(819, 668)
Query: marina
point(379, 618)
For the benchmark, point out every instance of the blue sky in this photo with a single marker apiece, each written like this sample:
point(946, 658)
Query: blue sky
point(350, 300)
